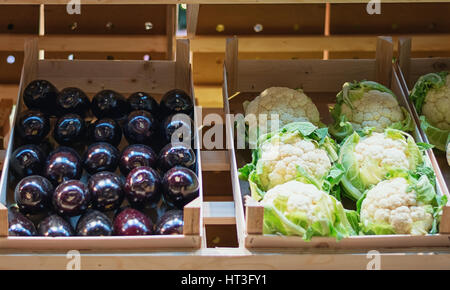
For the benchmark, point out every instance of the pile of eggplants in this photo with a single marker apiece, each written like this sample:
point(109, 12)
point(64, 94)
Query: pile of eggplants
point(107, 166)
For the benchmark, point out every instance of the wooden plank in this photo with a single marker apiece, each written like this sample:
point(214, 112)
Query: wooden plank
point(262, 19)
point(404, 55)
point(257, 75)
point(19, 19)
point(171, 30)
point(182, 65)
point(254, 217)
point(215, 160)
point(289, 43)
point(192, 19)
point(108, 19)
point(231, 63)
point(383, 60)
point(192, 217)
point(116, 2)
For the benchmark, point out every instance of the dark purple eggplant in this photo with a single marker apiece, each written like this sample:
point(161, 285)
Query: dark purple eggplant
point(131, 222)
point(170, 223)
point(54, 226)
point(141, 127)
point(27, 160)
point(109, 104)
point(143, 101)
point(72, 101)
point(19, 225)
point(142, 187)
point(177, 154)
point(105, 130)
point(33, 126)
point(176, 101)
point(178, 128)
point(33, 194)
point(180, 186)
point(94, 223)
point(71, 198)
point(100, 157)
point(41, 95)
point(137, 155)
point(63, 164)
point(106, 189)
point(70, 130)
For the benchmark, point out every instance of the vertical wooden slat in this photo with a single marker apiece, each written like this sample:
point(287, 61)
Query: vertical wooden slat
point(192, 19)
point(384, 54)
point(444, 227)
point(191, 217)
point(254, 217)
point(182, 65)
point(231, 64)
point(404, 56)
point(171, 28)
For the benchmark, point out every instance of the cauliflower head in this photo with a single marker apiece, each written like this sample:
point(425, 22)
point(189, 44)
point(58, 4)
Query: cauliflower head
point(281, 155)
point(368, 159)
point(431, 98)
point(368, 104)
point(298, 151)
point(400, 205)
point(290, 105)
point(296, 208)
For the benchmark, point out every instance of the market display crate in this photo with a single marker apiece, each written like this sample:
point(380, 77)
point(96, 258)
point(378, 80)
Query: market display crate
point(320, 80)
point(92, 76)
point(409, 70)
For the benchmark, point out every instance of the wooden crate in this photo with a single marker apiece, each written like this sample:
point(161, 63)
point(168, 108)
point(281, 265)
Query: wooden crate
point(155, 77)
point(409, 70)
point(321, 80)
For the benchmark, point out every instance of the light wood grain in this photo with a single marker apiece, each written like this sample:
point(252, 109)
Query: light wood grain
point(192, 19)
point(383, 60)
point(215, 160)
point(231, 64)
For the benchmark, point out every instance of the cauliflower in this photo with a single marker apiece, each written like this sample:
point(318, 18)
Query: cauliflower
point(431, 97)
point(368, 159)
point(281, 155)
point(400, 205)
point(290, 106)
point(367, 104)
point(296, 208)
point(299, 151)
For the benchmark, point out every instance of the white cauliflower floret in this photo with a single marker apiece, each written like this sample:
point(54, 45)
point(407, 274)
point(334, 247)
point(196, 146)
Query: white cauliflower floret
point(436, 106)
point(374, 109)
point(290, 106)
point(280, 157)
point(301, 197)
point(389, 202)
point(380, 152)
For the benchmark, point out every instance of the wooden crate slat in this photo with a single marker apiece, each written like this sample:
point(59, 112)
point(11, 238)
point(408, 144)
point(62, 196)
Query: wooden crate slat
point(94, 19)
point(16, 19)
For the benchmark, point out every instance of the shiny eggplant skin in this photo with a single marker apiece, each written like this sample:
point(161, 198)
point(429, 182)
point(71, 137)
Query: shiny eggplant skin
point(94, 223)
point(27, 160)
point(170, 223)
point(106, 189)
point(33, 126)
point(143, 101)
point(176, 101)
point(99, 157)
point(178, 128)
point(33, 194)
point(63, 164)
point(71, 198)
point(141, 127)
point(137, 155)
point(177, 154)
point(143, 187)
point(180, 186)
point(105, 130)
point(109, 104)
point(41, 95)
point(72, 101)
point(132, 222)
point(19, 225)
point(69, 130)
point(54, 226)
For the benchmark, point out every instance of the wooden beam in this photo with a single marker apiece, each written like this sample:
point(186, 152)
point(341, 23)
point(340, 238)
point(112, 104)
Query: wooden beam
point(207, 1)
point(342, 43)
point(87, 43)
